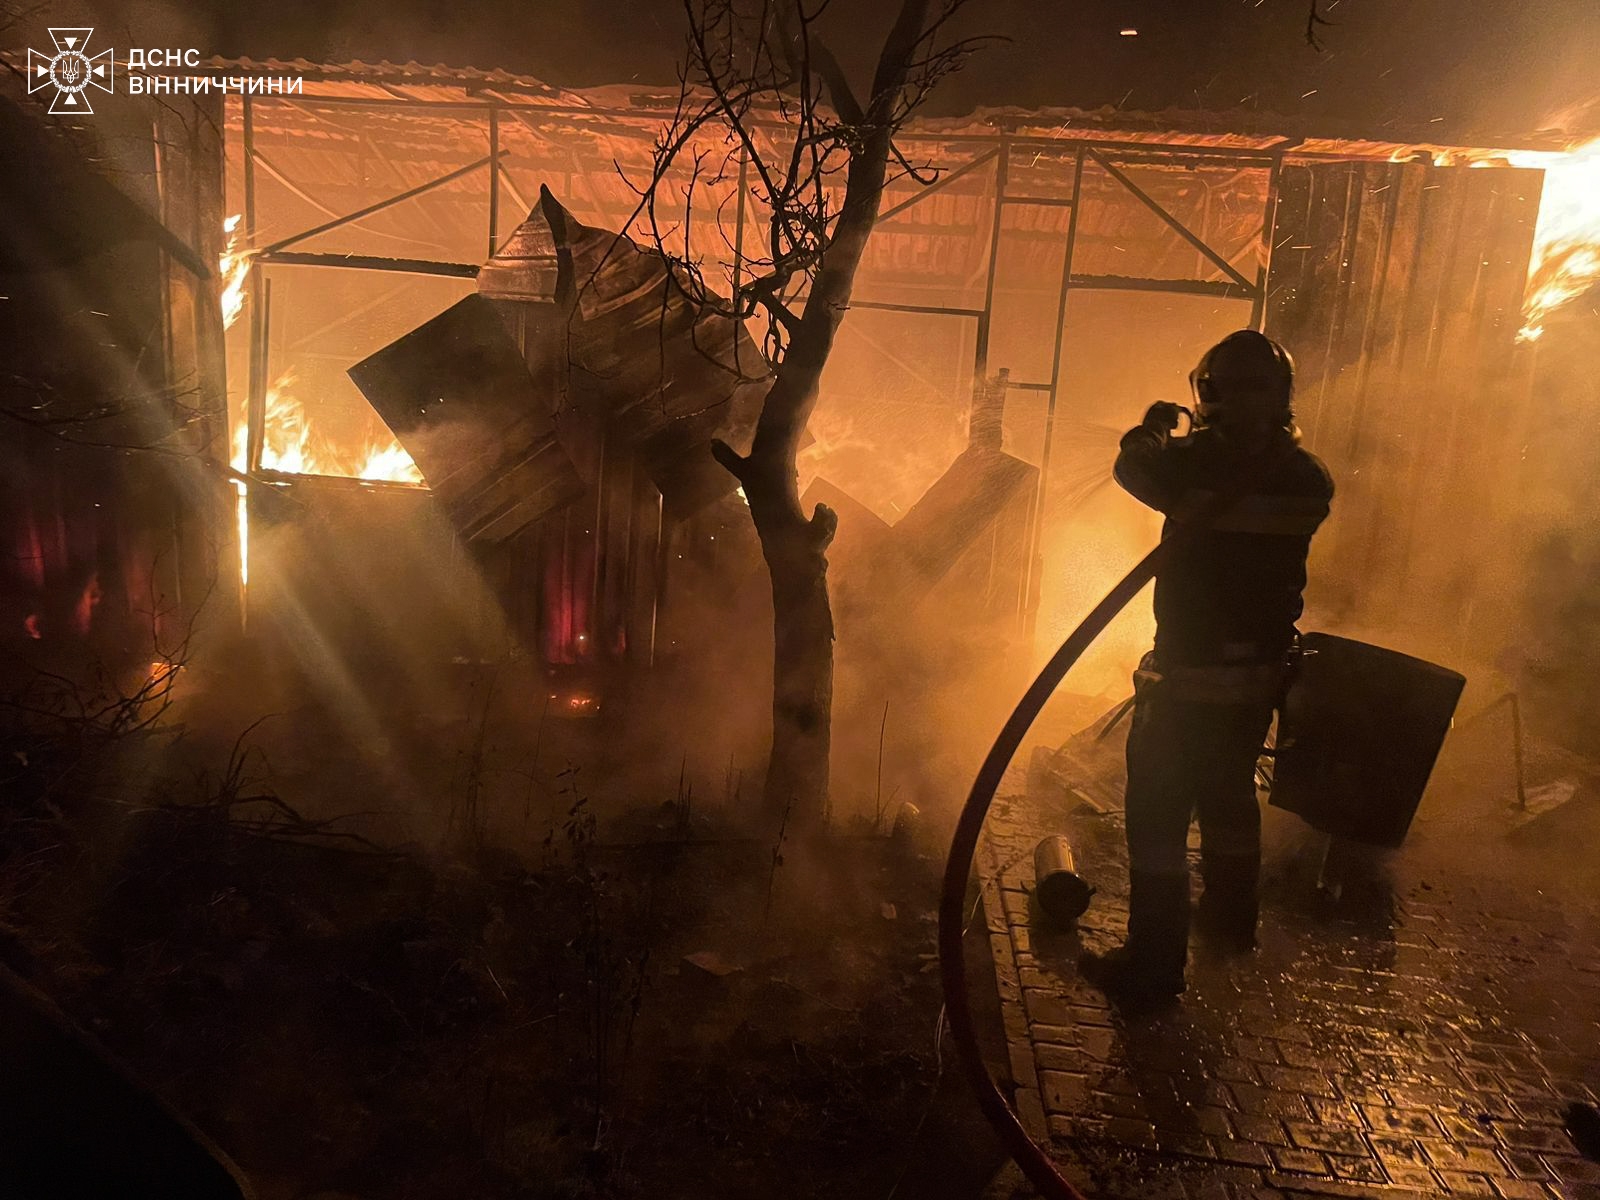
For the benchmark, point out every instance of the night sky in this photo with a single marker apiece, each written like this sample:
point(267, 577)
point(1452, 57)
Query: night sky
point(1407, 69)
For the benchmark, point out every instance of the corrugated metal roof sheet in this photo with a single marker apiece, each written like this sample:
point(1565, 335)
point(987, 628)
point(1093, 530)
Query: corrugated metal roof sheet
point(1241, 129)
point(317, 161)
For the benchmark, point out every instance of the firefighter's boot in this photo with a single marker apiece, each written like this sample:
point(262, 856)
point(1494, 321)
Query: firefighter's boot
point(1230, 905)
point(1147, 969)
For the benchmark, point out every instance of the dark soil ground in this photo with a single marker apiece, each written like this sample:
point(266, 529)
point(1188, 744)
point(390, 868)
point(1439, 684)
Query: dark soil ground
point(409, 1027)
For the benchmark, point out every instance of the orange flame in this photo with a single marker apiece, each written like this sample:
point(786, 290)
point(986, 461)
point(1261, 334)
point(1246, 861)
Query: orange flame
point(1566, 240)
point(290, 444)
point(233, 268)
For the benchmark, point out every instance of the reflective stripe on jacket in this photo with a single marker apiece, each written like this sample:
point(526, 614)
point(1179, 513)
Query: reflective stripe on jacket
point(1232, 592)
point(1242, 683)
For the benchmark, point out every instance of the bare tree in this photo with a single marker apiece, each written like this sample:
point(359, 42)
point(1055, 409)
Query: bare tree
point(765, 93)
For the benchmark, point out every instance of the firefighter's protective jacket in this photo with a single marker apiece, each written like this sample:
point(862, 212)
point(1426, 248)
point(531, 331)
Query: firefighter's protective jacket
point(1232, 593)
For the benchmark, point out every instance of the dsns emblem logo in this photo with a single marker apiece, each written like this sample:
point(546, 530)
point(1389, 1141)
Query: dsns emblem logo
point(70, 70)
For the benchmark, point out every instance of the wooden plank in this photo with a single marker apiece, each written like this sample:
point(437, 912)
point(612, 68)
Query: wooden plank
point(370, 262)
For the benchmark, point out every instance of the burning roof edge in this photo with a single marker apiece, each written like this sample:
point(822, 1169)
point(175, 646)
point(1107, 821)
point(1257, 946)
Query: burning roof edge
point(1243, 129)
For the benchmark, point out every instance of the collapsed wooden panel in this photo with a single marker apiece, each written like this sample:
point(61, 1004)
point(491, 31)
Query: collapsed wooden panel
point(1359, 736)
point(526, 267)
point(463, 401)
point(673, 373)
point(1398, 288)
point(953, 515)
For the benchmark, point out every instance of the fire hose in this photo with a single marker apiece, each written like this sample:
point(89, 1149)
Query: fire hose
point(1028, 1154)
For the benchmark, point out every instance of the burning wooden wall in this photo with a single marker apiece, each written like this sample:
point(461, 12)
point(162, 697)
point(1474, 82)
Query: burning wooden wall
point(1399, 287)
point(112, 496)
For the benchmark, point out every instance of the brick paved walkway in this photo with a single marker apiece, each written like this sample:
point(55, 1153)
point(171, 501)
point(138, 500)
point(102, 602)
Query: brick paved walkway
point(1420, 1036)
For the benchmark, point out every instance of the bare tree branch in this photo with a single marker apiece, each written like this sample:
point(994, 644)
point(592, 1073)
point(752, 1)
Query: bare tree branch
point(1315, 18)
point(793, 30)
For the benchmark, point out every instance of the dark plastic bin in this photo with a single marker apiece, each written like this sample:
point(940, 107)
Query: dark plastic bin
point(1358, 738)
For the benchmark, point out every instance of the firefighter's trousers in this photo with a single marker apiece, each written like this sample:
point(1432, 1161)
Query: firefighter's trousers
point(1191, 759)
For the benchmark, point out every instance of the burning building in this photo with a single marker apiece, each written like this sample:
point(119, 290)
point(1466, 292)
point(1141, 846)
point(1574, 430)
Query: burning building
point(406, 404)
point(1088, 256)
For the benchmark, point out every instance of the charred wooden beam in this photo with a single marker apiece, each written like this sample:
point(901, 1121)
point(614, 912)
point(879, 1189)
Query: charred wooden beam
point(369, 262)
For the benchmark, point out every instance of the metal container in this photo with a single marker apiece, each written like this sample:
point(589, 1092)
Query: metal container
point(1062, 892)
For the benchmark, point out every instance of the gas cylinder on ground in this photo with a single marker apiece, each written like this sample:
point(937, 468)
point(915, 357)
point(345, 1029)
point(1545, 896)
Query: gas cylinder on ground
point(1063, 894)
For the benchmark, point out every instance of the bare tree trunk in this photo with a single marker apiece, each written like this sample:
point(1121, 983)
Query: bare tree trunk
point(795, 549)
point(795, 546)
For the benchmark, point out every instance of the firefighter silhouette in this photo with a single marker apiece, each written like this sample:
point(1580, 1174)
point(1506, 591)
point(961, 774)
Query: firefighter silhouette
point(1226, 606)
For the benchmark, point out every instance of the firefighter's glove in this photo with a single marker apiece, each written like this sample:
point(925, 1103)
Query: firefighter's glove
point(1162, 417)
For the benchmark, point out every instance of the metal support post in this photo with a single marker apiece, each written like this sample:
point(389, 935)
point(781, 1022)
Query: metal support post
point(1033, 568)
point(980, 367)
point(494, 180)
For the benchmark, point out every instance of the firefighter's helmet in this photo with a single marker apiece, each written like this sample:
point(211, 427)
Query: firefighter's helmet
point(1246, 378)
